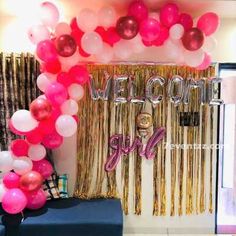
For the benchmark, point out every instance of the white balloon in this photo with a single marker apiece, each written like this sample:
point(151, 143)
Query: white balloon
point(105, 55)
point(92, 43)
point(66, 125)
point(107, 16)
point(76, 91)
point(173, 50)
point(176, 31)
point(122, 49)
point(23, 121)
point(43, 81)
point(6, 161)
point(209, 44)
point(69, 107)
point(38, 33)
point(22, 165)
point(36, 152)
point(3, 190)
point(62, 28)
point(136, 44)
point(87, 20)
point(193, 58)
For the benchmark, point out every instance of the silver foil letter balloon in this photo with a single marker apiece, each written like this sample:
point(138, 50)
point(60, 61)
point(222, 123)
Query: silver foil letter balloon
point(119, 89)
point(214, 92)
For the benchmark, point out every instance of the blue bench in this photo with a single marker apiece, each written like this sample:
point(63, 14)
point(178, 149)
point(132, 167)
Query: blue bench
point(100, 217)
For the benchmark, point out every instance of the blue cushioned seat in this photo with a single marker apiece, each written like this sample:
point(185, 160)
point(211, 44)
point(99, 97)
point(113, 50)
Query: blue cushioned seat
point(72, 217)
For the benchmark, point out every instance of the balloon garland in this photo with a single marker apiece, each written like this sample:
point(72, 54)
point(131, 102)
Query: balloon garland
point(59, 48)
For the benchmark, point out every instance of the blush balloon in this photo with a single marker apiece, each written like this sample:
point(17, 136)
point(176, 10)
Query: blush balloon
point(31, 181)
point(186, 21)
point(19, 147)
point(41, 109)
point(193, 39)
point(138, 10)
point(65, 45)
point(169, 14)
point(11, 180)
point(127, 27)
point(43, 167)
point(36, 199)
point(150, 29)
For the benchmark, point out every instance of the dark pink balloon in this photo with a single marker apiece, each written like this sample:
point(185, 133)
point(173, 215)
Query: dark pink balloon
point(64, 79)
point(112, 36)
point(79, 74)
point(208, 23)
point(46, 51)
point(11, 180)
point(43, 167)
point(147, 43)
point(150, 29)
point(65, 45)
point(47, 126)
point(35, 136)
point(186, 21)
point(169, 14)
point(53, 67)
point(127, 27)
point(19, 147)
point(163, 36)
point(193, 39)
point(138, 10)
point(101, 31)
point(35, 199)
point(206, 62)
point(56, 93)
point(53, 140)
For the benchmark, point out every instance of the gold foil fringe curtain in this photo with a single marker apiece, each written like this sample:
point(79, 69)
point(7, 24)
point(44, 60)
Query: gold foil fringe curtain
point(181, 180)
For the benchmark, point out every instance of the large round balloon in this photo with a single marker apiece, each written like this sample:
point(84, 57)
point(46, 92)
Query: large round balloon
point(22, 165)
point(41, 109)
point(31, 181)
point(66, 125)
point(19, 147)
point(65, 45)
point(11, 180)
point(127, 27)
point(14, 201)
point(193, 39)
point(91, 43)
point(44, 167)
point(35, 199)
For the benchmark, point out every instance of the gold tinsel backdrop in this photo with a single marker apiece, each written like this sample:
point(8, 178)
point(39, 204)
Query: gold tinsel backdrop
point(183, 180)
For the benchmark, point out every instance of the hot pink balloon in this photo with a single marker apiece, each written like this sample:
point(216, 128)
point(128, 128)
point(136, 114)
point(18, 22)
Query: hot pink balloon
point(35, 136)
point(56, 93)
point(64, 79)
point(14, 201)
point(169, 14)
point(53, 67)
point(208, 23)
point(149, 29)
point(11, 180)
point(138, 10)
point(19, 147)
point(163, 36)
point(53, 140)
point(46, 51)
point(47, 126)
point(36, 199)
point(44, 167)
point(186, 21)
point(79, 74)
point(49, 14)
point(112, 36)
point(206, 62)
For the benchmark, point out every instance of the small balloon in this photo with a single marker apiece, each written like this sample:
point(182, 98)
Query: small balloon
point(91, 43)
point(49, 14)
point(36, 152)
point(41, 109)
point(64, 79)
point(112, 36)
point(176, 31)
point(43, 81)
point(46, 51)
point(69, 107)
point(138, 10)
point(169, 14)
point(43, 167)
point(11, 180)
point(36, 199)
point(35, 136)
point(87, 20)
point(52, 140)
point(22, 165)
point(65, 45)
point(38, 33)
point(31, 181)
point(14, 201)
point(19, 147)
point(127, 27)
point(107, 16)
point(193, 39)
point(53, 67)
point(76, 92)
point(6, 161)
point(66, 126)
point(62, 28)
point(186, 21)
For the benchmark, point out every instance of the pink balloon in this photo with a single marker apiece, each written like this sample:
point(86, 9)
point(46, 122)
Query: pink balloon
point(44, 167)
point(79, 74)
point(46, 51)
point(163, 36)
point(53, 140)
point(112, 36)
point(138, 10)
point(14, 201)
point(169, 14)
point(208, 23)
point(206, 62)
point(56, 93)
point(49, 14)
point(47, 126)
point(186, 21)
point(53, 67)
point(149, 29)
point(11, 180)
point(35, 199)
point(35, 136)
point(19, 147)
point(38, 33)
point(64, 79)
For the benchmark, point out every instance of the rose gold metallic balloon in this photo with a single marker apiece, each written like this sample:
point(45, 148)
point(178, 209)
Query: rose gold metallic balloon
point(31, 181)
point(65, 45)
point(41, 109)
point(127, 27)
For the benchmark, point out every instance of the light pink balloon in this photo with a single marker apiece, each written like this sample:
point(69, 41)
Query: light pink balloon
point(44, 167)
point(49, 14)
point(76, 91)
point(206, 62)
point(22, 165)
point(193, 58)
point(62, 28)
point(38, 33)
point(66, 125)
point(37, 152)
point(36, 199)
point(69, 107)
point(208, 23)
point(11, 180)
point(91, 43)
point(14, 201)
point(106, 55)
